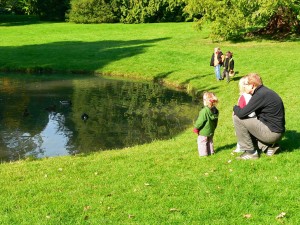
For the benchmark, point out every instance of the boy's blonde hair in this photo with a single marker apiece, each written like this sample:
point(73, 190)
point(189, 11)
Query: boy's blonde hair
point(242, 85)
point(210, 99)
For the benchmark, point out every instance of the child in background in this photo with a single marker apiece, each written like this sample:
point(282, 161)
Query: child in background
point(228, 66)
point(242, 102)
point(206, 124)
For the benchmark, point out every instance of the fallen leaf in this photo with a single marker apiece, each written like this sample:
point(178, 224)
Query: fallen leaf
point(281, 215)
point(174, 210)
point(86, 208)
point(247, 216)
point(229, 161)
point(130, 216)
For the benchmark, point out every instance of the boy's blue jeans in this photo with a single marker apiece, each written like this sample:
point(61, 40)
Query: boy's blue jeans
point(218, 72)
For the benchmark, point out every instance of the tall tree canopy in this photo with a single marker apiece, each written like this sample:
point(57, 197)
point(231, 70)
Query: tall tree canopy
point(126, 11)
point(44, 9)
point(233, 18)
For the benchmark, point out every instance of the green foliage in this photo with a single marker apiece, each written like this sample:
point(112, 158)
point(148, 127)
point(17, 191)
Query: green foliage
point(46, 10)
point(127, 11)
point(11, 7)
point(91, 11)
point(30, 7)
point(52, 9)
point(152, 11)
point(233, 18)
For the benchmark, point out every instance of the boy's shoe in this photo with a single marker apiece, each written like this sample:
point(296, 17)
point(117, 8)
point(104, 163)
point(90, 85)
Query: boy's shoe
point(272, 150)
point(248, 156)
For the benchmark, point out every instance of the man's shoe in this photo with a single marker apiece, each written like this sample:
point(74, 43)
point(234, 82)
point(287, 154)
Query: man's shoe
point(271, 150)
point(237, 150)
point(248, 156)
point(263, 147)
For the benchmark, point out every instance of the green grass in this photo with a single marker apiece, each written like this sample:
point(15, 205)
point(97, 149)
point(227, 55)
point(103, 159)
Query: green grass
point(163, 182)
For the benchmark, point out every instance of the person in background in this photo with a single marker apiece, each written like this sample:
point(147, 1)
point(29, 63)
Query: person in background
point(266, 129)
point(217, 61)
point(242, 102)
point(228, 66)
point(206, 124)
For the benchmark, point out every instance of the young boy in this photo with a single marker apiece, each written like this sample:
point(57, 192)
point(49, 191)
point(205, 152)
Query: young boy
point(206, 124)
point(228, 66)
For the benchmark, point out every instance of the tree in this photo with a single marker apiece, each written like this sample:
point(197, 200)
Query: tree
point(233, 18)
point(127, 11)
point(91, 11)
point(44, 9)
point(11, 6)
point(52, 9)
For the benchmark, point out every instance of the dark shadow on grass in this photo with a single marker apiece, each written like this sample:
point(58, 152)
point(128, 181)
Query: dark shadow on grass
point(161, 76)
point(197, 77)
point(226, 147)
point(236, 76)
point(197, 93)
point(291, 141)
point(70, 56)
point(18, 20)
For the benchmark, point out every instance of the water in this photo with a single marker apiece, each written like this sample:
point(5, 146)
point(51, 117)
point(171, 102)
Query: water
point(45, 117)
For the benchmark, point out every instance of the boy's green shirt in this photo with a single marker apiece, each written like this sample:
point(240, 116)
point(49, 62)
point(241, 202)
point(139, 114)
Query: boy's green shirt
point(207, 121)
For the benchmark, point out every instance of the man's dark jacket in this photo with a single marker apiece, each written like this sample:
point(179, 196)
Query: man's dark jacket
point(268, 108)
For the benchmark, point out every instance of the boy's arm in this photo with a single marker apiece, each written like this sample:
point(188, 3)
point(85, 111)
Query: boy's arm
point(231, 66)
point(200, 122)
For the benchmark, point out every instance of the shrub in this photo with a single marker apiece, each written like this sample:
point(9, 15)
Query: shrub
point(91, 11)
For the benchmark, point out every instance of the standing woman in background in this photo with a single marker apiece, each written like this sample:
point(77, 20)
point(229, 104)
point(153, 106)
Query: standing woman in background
point(217, 61)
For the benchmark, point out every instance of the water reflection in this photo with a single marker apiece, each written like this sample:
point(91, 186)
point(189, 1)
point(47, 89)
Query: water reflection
point(44, 117)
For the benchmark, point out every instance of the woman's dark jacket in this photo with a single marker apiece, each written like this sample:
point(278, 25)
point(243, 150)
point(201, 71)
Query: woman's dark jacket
point(219, 58)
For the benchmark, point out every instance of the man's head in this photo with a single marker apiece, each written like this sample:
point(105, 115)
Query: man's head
point(252, 81)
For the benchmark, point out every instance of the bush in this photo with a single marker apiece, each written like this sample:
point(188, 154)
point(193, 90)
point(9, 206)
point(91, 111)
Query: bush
point(91, 11)
point(127, 11)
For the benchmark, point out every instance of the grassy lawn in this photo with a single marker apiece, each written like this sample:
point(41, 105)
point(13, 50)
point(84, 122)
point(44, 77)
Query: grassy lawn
point(164, 182)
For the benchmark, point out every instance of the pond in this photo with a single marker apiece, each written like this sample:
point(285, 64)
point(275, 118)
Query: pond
point(44, 116)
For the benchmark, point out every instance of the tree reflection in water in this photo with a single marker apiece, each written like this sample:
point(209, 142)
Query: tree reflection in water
point(121, 114)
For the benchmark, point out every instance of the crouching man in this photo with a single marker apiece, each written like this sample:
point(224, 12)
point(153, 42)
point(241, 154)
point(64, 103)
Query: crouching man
point(266, 129)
